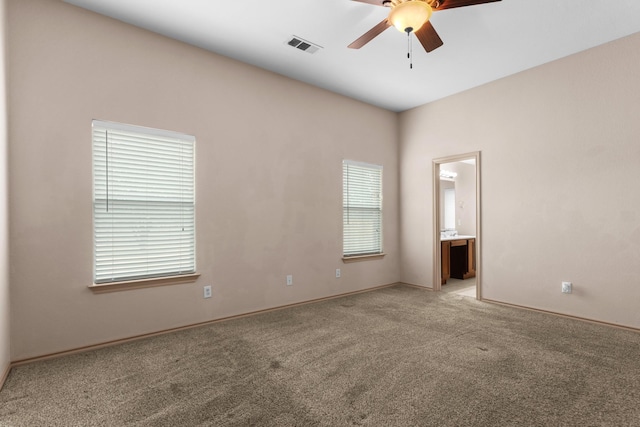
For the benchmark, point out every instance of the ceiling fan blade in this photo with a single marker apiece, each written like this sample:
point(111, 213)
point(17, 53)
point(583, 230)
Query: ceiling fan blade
point(428, 37)
point(450, 4)
point(374, 2)
point(370, 35)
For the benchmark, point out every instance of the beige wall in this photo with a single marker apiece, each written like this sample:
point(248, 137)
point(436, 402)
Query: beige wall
point(558, 144)
point(4, 211)
point(269, 177)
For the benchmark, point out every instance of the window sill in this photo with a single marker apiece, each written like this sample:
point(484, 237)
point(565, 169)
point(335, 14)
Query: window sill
point(358, 258)
point(143, 283)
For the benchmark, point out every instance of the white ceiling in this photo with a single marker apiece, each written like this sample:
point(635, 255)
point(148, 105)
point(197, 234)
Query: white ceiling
point(481, 43)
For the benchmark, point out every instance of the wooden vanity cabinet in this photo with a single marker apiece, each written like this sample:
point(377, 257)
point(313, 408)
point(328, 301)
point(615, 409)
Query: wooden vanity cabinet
point(445, 261)
point(458, 259)
point(471, 258)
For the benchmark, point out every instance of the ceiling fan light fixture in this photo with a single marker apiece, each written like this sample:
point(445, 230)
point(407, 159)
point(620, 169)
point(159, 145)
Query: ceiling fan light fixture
point(410, 15)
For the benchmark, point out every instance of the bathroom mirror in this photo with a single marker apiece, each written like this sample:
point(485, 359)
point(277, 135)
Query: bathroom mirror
point(457, 199)
point(449, 209)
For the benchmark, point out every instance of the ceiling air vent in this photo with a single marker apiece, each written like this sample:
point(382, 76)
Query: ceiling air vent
point(302, 44)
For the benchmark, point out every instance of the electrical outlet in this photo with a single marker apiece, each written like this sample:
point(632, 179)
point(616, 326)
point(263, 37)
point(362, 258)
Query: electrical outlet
point(289, 280)
point(338, 273)
point(567, 287)
point(207, 291)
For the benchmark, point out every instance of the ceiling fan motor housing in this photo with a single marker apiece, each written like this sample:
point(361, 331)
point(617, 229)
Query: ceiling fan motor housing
point(391, 3)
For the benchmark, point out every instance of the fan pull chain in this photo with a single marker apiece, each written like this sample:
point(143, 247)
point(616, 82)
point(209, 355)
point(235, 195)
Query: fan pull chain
point(409, 48)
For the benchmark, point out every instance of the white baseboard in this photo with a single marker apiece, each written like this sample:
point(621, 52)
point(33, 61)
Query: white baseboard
point(568, 316)
point(180, 328)
point(4, 375)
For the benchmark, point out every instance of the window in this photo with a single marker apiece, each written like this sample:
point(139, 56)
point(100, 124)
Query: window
point(143, 203)
point(362, 208)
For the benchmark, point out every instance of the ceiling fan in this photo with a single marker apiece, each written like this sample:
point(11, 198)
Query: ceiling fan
point(412, 16)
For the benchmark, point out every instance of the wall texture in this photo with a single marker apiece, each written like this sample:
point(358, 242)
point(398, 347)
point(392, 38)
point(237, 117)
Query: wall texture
point(559, 148)
point(269, 177)
point(4, 209)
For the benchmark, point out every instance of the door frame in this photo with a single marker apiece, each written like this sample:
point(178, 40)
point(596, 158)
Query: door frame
point(437, 273)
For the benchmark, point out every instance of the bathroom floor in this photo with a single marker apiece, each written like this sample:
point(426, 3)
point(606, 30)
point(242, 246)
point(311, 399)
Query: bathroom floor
point(466, 288)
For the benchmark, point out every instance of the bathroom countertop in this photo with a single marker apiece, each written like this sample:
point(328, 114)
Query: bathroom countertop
point(461, 237)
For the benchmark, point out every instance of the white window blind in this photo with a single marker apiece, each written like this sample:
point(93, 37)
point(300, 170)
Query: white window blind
point(143, 202)
point(362, 208)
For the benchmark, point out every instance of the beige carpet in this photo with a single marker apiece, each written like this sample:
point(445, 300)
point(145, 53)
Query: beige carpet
point(398, 356)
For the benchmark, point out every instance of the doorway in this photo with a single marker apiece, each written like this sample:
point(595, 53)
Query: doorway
point(456, 225)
